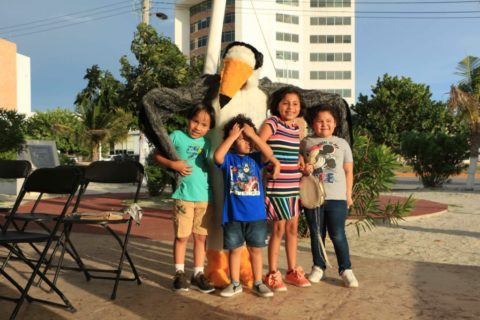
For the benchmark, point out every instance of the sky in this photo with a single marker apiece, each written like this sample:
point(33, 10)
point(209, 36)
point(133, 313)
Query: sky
point(64, 38)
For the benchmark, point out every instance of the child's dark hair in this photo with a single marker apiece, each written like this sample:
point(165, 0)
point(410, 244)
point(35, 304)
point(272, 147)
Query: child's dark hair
point(203, 107)
point(320, 107)
point(278, 95)
point(241, 119)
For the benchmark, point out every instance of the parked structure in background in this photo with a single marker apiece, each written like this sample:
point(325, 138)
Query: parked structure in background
point(15, 83)
point(310, 44)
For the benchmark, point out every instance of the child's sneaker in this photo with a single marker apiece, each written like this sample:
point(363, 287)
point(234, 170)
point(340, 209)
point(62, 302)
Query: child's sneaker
point(316, 275)
point(231, 290)
point(262, 290)
point(180, 282)
point(296, 277)
point(274, 281)
point(349, 279)
point(201, 283)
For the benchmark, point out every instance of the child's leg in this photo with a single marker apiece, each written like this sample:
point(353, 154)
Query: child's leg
point(256, 256)
point(234, 264)
point(291, 234)
point(335, 215)
point(313, 221)
point(199, 250)
point(274, 244)
point(201, 213)
point(183, 221)
point(179, 250)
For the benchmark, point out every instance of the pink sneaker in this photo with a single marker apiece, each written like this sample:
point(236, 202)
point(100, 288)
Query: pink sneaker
point(274, 281)
point(297, 278)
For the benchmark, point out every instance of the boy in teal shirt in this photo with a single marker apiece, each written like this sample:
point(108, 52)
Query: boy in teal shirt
point(192, 209)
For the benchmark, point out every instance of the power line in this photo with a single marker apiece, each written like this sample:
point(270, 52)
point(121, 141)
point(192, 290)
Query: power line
point(62, 16)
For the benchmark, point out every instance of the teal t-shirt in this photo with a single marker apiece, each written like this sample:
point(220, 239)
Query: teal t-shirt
point(194, 187)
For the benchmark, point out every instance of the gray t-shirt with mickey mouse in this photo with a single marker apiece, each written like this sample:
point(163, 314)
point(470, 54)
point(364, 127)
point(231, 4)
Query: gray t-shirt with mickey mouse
point(328, 156)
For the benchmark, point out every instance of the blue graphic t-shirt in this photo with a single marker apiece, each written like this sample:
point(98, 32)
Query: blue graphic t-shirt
point(194, 187)
point(244, 198)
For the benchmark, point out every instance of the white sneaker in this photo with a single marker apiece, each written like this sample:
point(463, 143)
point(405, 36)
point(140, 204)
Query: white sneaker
point(315, 275)
point(349, 279)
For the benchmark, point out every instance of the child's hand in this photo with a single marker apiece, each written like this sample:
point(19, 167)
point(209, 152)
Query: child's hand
point(349, 201)
point(301, 163)
point(248, 130)
point(276, 168)
point(235, 131)
point(308, 169)
point(182, 167)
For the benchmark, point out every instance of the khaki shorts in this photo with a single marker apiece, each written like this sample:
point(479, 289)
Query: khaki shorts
point(191, 217)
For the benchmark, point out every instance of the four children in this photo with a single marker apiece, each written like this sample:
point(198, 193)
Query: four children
point(246, 205)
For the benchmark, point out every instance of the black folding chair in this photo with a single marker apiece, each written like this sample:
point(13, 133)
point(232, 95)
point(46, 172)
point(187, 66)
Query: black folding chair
point(13, 169)
point(126, 172)
point(46, 181)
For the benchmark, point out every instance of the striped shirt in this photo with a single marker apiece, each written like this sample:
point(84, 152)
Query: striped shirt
point(285, 143)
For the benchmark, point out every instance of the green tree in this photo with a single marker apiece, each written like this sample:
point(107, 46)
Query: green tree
point(99, 107)
point(12, 133)
point(159, 64)
point(465, 100)
point(399, 105)
point(61, 125)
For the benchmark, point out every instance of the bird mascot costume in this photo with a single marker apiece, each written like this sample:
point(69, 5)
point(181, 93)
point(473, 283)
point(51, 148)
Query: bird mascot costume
point(236, 90)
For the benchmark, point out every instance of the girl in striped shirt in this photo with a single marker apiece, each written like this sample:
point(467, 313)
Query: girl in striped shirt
point(282, 134)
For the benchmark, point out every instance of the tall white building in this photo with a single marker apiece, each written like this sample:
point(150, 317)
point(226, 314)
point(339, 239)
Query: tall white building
point(308, 43)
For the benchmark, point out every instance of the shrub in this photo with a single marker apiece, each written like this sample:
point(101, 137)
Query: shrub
point(374, 172)
point(434, 157)
point(157, 177)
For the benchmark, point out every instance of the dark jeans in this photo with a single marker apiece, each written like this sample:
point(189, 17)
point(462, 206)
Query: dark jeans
point(330, 216)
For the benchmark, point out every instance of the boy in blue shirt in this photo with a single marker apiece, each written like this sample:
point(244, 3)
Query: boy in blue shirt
point(244, 215)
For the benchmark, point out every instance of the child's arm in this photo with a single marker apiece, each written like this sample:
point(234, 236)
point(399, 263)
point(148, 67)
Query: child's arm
point(348, 168)
point(223, 148)
point(180, 166)
point(264, 148)
point(265, 132)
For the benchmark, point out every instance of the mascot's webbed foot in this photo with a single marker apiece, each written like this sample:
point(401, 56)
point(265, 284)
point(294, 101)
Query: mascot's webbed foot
point(218, 273)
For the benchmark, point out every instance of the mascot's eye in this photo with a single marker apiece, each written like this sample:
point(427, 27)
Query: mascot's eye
point(331, 163)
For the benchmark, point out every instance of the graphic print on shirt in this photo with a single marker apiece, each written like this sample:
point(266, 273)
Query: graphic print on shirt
point(322, 157)
point(242, 181)
point(193, 152)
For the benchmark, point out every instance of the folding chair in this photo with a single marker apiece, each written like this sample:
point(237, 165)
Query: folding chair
point(13, 169)
point(46, 181)
point(125, 172)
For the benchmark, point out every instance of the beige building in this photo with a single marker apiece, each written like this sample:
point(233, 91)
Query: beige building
point(15, 87)
point(308, 43)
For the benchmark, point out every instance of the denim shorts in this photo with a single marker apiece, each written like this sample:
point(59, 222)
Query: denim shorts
point(236, 233)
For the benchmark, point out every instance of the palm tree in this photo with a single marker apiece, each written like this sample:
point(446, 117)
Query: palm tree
point(465, 100)
point(98, 107)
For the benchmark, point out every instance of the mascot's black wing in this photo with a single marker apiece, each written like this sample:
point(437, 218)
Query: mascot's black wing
point(312, 97)
point(161, 104)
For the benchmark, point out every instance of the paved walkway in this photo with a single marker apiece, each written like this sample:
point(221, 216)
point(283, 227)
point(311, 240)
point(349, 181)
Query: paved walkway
point(389, 288)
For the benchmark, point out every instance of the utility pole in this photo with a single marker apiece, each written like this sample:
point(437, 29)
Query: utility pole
point(146, 11)
point(141, 136)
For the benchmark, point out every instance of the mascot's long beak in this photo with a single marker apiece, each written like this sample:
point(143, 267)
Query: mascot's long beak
point(234, 75)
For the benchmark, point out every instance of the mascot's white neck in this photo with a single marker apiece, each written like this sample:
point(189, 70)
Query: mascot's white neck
point(249, 100)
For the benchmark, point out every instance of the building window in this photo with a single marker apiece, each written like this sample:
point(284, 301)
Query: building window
point(192, 44)
point(228, 36)
point(330, 75)
point(288, 37)
point(287, 55)
point(287, 18)
point(288, 74)
point(330, 3)
point(330, 38)
point(229, 17)
point(205, 6)
point(202, 41)
point(288, 2)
